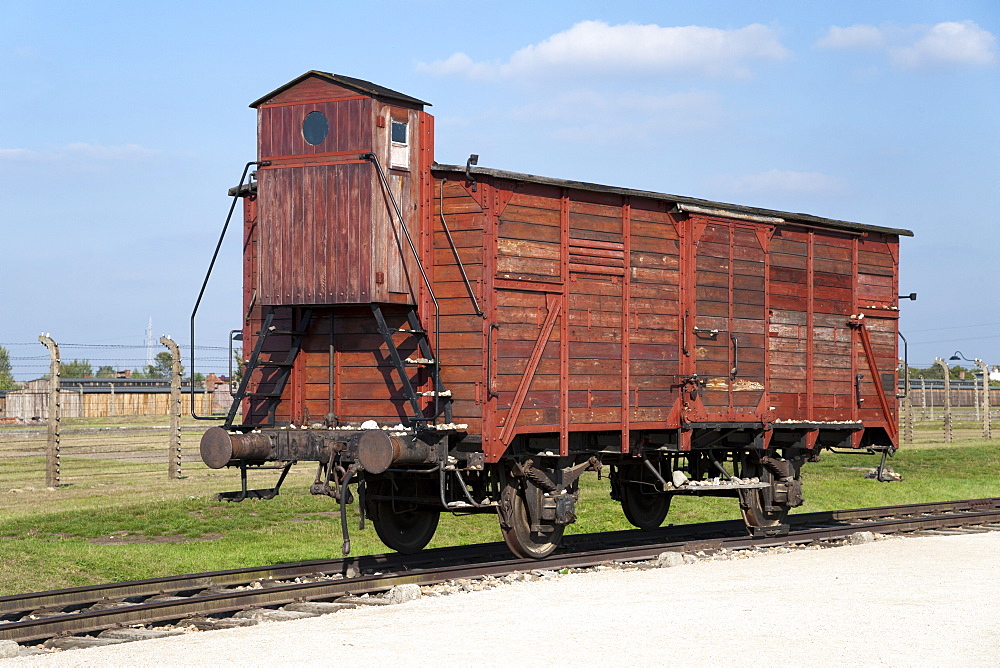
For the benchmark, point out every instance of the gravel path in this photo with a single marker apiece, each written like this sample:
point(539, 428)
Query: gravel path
point(901, 602)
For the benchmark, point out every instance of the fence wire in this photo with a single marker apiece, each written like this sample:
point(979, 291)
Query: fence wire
point(93, 455)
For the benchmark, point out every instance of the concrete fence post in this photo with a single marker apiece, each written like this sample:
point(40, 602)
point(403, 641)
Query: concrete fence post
point(923, 400)
point(987, 432)
point(948, 437)
point(907, 407)
point(52, 470)
point(975, 396)
point(174, 443)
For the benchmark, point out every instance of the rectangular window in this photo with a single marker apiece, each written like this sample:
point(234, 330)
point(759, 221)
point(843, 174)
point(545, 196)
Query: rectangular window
point(398, 132)
point(399, 149)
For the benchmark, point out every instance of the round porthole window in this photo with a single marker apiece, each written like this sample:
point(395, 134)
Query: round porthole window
point(315, 128)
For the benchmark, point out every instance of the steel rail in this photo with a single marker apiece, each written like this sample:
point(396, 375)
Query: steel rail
point(626, 546)
point(245, 576)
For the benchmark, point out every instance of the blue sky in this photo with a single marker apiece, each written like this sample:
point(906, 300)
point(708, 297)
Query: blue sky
point(121, 128)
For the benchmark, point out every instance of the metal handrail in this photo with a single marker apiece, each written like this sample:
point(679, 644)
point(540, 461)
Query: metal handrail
point(204, 284)
point(454, 249)
point(436, 370)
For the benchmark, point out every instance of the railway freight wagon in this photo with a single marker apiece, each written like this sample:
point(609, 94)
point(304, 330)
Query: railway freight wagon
point(446, 338)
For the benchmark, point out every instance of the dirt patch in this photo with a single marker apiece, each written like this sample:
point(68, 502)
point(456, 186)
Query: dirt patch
point(129, 539)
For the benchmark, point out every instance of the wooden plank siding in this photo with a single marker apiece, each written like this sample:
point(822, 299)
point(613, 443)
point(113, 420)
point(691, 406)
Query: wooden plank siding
point(784, 293)
point(328, 226)
point(602, 311)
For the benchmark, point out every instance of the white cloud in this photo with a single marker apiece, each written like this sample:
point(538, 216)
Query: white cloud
point(458, 63)
point(949, 43)
point(629, 117)
point(945, 44)
point(852, 37)
point(777, 180)
point(596, 47)
point(18, 155)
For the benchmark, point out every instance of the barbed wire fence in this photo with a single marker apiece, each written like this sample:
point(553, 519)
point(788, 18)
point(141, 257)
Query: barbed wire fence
point(116, 431)
point(29, 361)
point(98, 430)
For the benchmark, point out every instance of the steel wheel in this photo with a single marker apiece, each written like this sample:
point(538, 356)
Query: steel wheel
point(402, 526)
point(637, 490)
point(521, 540)
point(752, 501)
point(754, 514)
point(644, 508)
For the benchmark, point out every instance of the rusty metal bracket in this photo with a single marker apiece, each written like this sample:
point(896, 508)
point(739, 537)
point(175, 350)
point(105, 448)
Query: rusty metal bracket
point(253, 302)
point(473, 160)
point(491, 382)
point(736, 357)
point(684, 334)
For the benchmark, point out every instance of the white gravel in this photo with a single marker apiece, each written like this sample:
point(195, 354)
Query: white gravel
point(899, 602)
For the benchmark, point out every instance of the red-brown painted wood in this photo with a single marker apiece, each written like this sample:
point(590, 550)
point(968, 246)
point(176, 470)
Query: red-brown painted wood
point(590, 300)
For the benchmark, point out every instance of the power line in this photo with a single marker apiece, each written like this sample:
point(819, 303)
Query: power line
point(938, 329)
point(955, 340)
point(121, 346)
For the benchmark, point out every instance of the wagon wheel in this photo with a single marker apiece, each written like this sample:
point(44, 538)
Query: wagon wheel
point(754, 514)
point(519, 537)
point(643, 506)
point(752, 502)
point(402, 525)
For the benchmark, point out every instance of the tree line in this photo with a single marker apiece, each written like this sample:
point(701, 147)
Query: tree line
point(160, 369)
point(957, 372)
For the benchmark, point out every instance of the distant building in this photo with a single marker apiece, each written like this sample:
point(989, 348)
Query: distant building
point(106, 397)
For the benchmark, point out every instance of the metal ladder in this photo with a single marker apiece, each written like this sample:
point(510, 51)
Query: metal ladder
point(442, 397)
point(272, 398)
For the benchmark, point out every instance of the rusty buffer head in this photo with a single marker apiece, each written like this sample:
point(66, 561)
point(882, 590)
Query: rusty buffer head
point(219, 447)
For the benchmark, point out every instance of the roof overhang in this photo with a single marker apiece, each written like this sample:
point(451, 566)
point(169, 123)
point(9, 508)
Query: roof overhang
point(358, 85)
point(684, 204)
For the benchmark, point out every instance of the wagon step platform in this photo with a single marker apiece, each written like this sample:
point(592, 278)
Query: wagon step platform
point(267, 400)
point(695, 487)
point(424, 356)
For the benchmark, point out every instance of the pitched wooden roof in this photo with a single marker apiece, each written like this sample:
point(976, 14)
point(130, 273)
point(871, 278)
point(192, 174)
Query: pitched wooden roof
point(719, 208)
point(359, 85)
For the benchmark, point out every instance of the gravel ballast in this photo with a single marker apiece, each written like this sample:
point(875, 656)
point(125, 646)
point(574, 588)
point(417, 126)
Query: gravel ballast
point(909, 601)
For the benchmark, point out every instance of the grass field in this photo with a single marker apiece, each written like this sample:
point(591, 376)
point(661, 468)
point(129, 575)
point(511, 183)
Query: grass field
point(132, 527)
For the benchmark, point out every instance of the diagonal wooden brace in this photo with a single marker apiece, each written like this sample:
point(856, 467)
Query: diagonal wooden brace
point(553, 304)
point(858, 325)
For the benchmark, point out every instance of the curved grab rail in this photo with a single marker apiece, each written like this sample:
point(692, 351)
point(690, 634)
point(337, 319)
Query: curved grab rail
point(204, 284)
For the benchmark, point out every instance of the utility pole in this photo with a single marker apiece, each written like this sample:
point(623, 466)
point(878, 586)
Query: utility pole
point(174, 451)
point(52, 446)
point(948, 437)
point(149, 342)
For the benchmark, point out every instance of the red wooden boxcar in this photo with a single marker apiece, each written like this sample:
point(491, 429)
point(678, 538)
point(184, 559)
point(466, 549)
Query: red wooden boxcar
point(461, 338)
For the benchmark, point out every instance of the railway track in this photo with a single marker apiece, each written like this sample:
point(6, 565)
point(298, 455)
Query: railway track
point(203, 598)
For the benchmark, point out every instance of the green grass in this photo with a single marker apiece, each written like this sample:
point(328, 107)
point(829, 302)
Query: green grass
point(142, 527)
